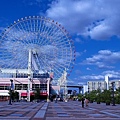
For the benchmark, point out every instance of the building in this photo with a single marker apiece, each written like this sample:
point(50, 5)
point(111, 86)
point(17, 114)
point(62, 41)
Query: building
point(102, 84)
point(85, 89)
point(25, 86)
point(94, 85)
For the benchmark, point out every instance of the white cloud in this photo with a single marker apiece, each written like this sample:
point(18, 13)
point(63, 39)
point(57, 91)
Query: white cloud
point(92, 77)
point(78, 54)
point(112, 74)
point(31, 2)
point(105, 52)
point(88, 68)
point(97, 18)
point(78, 40)
point(103, 59)
point(81, 83)
point(78, 72)
point(70, 81)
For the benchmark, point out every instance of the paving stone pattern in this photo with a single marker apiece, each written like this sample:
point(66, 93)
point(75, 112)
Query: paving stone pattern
point(71, 110)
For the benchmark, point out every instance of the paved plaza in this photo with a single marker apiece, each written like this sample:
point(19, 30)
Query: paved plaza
point(71, 110)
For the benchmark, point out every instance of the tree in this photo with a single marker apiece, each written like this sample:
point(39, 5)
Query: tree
point(98, 96)
point(37, 94)
point(106, 96)
point(92, 96)
point(16, 96)
point(117, 96)
point(80, 97)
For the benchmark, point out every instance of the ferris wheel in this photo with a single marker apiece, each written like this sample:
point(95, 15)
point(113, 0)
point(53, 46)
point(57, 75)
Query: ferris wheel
point(51, 46)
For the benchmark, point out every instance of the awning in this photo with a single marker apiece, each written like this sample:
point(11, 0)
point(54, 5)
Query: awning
point(43, 93)
point(24, 94)
point(4, 94)
point(3, 84)
point(32, 93)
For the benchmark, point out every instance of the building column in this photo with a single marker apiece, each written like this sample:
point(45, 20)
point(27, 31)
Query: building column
point(48, 86)
point(79, 90)
point(29, 74)
point(107, 82)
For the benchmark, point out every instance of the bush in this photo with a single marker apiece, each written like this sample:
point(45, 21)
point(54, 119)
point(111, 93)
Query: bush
point(107, 102)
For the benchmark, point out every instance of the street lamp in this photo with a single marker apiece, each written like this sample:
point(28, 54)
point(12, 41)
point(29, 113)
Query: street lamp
point(88, 90)
point(113, 97)
point(88, 87)
point(10, 92)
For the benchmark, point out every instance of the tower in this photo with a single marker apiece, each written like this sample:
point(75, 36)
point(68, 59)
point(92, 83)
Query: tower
point(107, 82)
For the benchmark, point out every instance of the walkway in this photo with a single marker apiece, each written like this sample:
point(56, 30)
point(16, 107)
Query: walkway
point(71, 110)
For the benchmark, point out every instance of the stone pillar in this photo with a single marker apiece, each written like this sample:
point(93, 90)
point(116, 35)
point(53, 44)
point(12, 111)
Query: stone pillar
point(48, 86)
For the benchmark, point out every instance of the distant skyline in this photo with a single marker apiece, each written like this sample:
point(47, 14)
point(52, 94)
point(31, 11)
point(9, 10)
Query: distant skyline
point(94, 26)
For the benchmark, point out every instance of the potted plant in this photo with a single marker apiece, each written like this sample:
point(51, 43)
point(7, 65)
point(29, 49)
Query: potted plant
point(98, 98)
point(98, 101)
point(107, 102)
point(107, 96)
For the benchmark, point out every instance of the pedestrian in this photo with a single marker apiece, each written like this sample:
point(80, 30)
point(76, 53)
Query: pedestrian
point(86, 102)
point(56, 98)
point(83, 102)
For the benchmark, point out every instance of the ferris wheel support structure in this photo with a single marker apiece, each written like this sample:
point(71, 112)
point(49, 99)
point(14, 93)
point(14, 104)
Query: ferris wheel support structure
point(65, 85)
point(29, 73)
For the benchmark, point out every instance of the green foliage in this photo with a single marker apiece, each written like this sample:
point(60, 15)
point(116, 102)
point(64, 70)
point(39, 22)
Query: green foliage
point(107, 102)
point(92, 96)
point(14, 95)
point(117, 96)
point(86, 95)
point(105, 96)
point(118, 90)
point(37, 94)
point(117, 99)
point(80, 97)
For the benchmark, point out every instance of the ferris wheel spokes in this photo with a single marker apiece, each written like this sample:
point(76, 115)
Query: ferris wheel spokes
point(53, 46)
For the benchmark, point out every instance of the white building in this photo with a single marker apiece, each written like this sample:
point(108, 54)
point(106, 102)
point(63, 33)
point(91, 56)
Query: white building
point(102, 84)
point(85, 88)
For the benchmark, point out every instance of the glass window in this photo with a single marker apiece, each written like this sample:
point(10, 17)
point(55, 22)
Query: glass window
point(18, 86)
point(1, 87)
point(43, 86)
point(25, 86)
point(7, 87)
point(35, 86)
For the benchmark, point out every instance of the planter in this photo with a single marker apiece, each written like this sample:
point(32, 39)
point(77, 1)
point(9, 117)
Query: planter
point(98, 102)
point(107, 103)
point(91, 101)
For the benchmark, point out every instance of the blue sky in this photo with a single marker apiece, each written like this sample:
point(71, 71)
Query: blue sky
point(94, 26)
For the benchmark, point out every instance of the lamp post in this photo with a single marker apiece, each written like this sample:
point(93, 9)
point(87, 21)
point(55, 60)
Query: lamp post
point(11, 92)
point(113, 97)
point(88, 87)
point(88, 90)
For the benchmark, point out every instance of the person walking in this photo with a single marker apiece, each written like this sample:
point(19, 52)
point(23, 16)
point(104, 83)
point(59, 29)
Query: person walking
point(83, 102)
point(86, 102)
